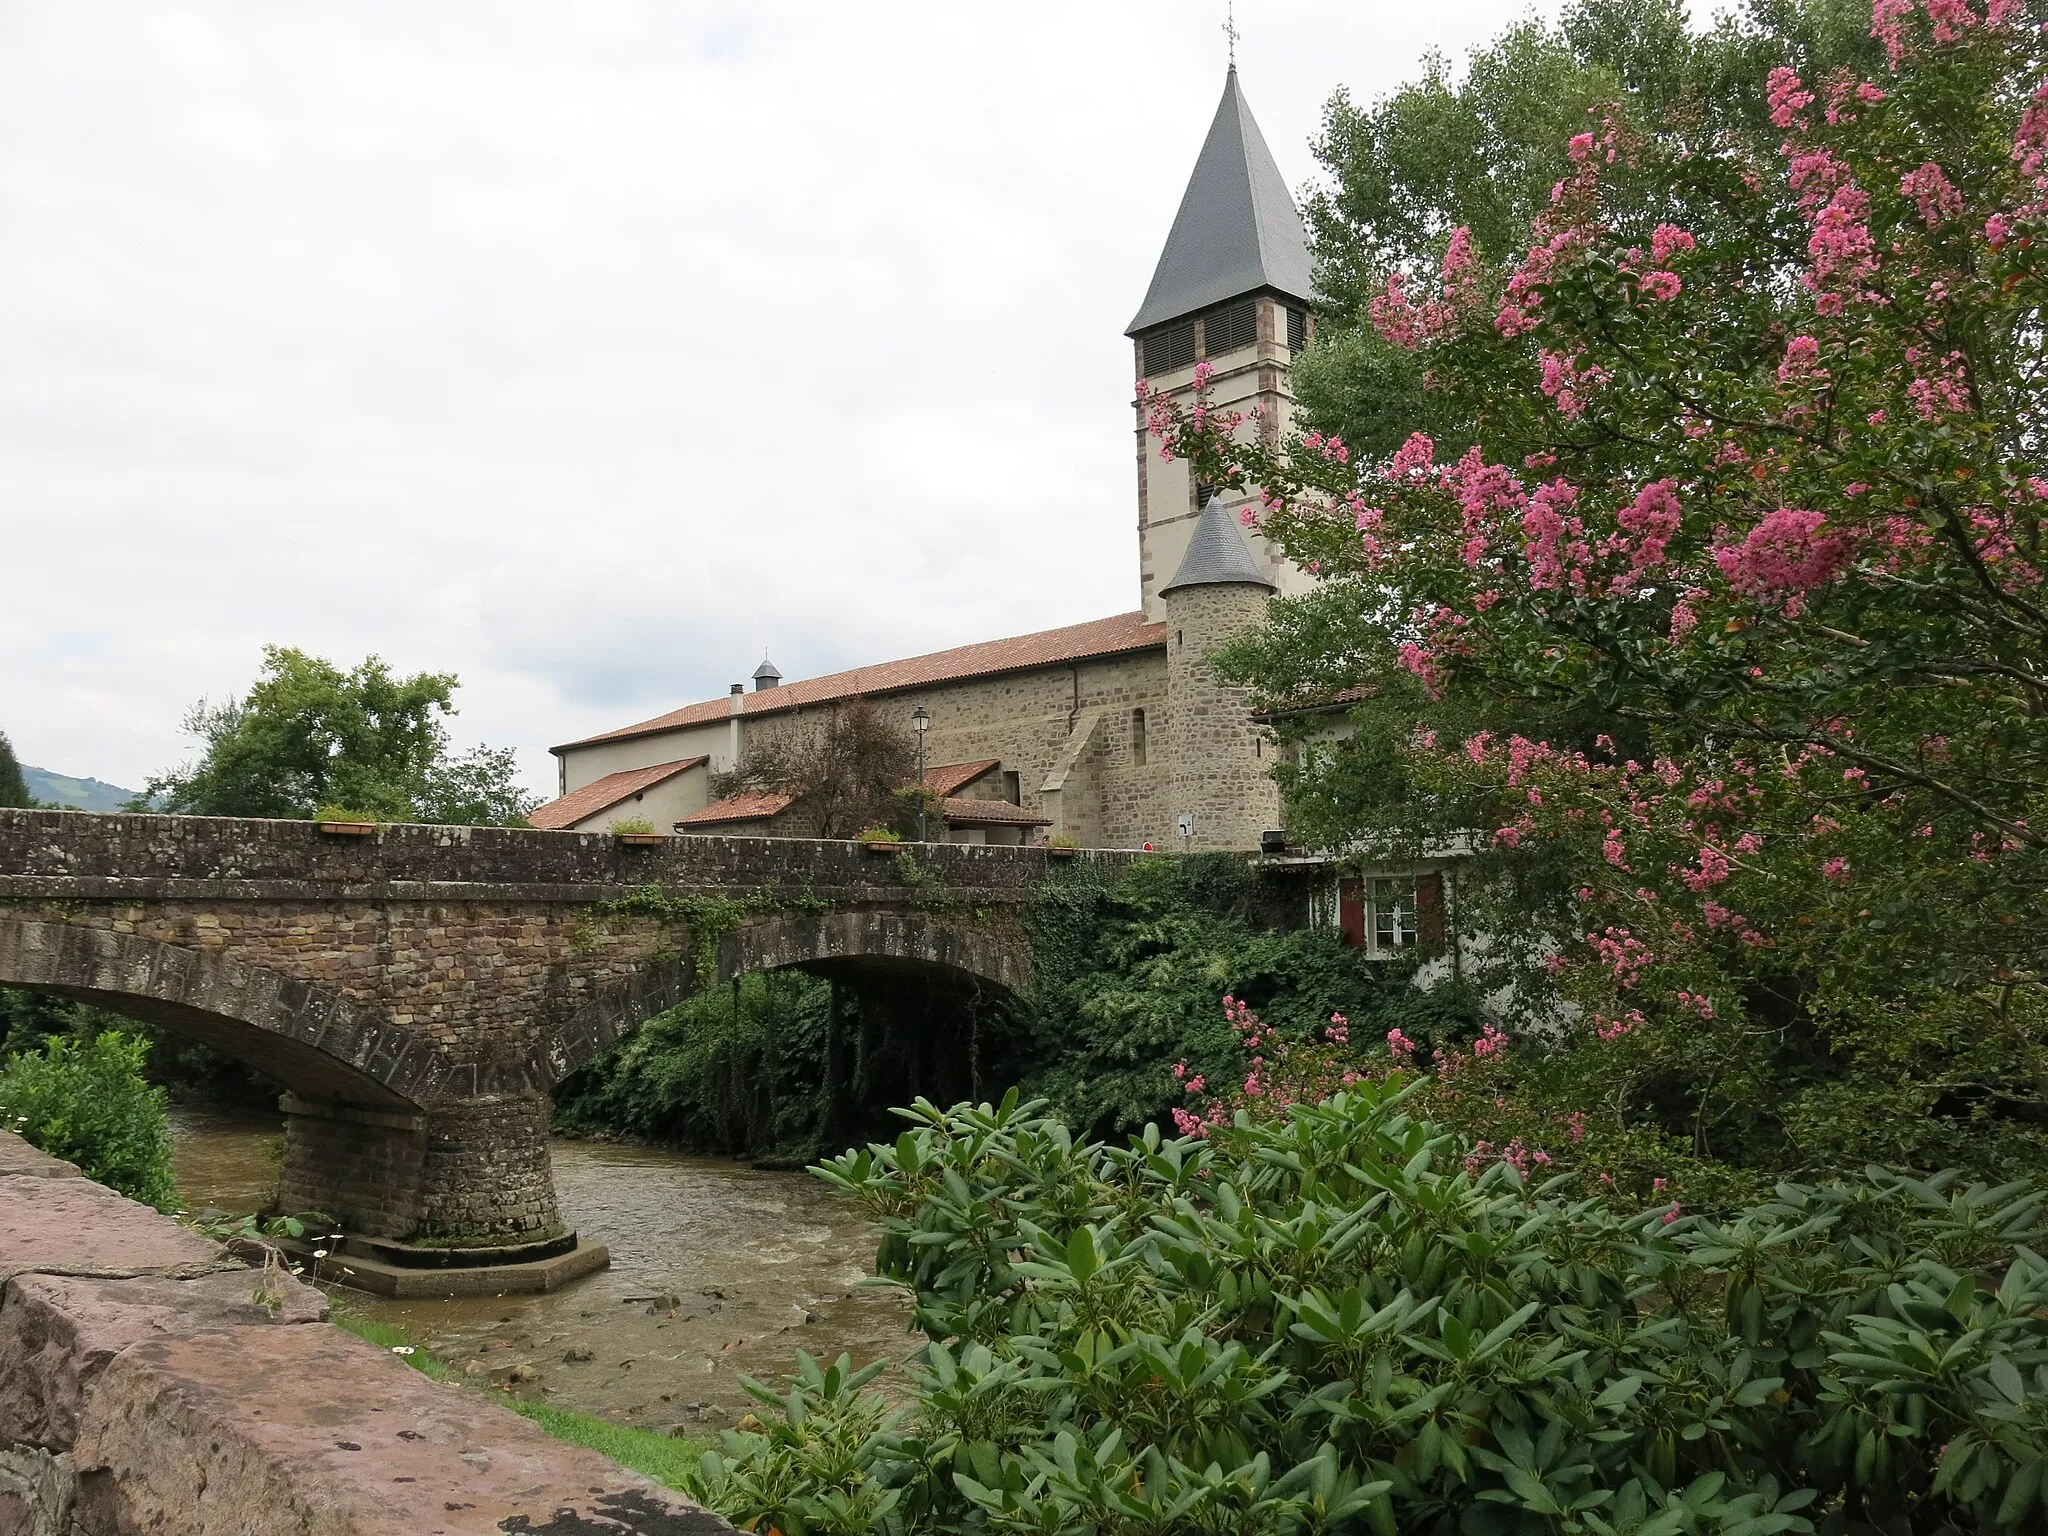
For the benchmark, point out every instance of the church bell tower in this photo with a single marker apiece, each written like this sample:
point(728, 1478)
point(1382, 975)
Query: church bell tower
point(1232, 289)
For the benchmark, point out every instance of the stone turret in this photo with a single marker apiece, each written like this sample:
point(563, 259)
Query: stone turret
point(1221, 762)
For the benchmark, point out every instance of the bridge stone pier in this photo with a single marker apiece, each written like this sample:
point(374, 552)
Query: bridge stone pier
point(420, 990)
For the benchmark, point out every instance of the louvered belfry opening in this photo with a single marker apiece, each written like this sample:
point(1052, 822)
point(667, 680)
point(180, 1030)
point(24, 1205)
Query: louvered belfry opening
point(1231, 328)
point(1170, 347)
point(1297, 331)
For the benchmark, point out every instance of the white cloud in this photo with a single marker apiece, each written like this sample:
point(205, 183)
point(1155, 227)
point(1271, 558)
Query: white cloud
point(586, 350)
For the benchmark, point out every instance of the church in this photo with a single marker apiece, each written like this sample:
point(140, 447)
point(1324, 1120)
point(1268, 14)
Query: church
point(1109, 734)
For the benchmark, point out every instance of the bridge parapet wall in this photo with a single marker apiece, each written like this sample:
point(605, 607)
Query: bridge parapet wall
point(76, 855)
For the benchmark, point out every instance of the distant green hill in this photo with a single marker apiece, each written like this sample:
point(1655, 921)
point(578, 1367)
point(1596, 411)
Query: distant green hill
point(80, 794)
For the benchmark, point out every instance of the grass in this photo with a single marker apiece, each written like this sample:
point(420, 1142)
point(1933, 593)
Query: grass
point(654, 1455)
point(387, 1336)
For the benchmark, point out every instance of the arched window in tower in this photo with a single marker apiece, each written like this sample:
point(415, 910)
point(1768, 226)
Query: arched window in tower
point(1138, 737)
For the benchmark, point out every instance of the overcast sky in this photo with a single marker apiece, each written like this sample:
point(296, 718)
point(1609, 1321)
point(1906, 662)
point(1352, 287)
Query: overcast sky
point(587, 350)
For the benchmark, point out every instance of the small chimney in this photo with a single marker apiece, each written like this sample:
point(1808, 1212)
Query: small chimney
point(739, 702)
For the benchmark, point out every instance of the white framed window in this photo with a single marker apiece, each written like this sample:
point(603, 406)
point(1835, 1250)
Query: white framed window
point(1390, 913)
point(1384, 914)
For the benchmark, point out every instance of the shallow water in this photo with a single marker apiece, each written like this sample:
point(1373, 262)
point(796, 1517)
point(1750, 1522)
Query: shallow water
point(757, 1264)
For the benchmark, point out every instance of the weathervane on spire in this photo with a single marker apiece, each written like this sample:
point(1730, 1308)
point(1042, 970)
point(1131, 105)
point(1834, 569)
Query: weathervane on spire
point(1230, 28)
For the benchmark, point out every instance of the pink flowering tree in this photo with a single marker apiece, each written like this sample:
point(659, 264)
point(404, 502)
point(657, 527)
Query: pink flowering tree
point(1718, 612)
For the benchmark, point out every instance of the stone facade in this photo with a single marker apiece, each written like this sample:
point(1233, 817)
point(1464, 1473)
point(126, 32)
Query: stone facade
point(1027, 722)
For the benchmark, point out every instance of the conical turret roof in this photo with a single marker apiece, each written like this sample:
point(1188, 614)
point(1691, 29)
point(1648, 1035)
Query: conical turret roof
point(1237, 231)
point(1217, 555)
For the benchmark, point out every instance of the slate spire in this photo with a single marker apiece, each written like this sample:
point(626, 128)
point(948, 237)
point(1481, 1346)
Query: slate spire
point(1237, 231)
point(1217, 555)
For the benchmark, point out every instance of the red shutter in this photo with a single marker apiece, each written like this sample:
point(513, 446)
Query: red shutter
point(1429, 910)
point(1351, 911)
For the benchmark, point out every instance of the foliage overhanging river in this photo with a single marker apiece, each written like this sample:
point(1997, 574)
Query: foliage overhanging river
point(718, 1270)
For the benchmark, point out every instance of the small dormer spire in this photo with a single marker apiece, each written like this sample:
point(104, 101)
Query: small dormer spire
point(1217, 555)
point(766, 675)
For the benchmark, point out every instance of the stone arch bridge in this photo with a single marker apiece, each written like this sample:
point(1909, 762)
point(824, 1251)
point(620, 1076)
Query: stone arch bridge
point(420, 990)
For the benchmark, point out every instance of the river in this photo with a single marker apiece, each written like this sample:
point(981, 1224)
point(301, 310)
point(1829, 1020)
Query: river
point(718, 1270)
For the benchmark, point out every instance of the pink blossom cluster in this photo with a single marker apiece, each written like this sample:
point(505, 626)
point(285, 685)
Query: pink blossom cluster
point(1784, 556)
point(1940, 387)
point(1713, 870)
point(1888, 26)
point(1614, 1028)
point(1516, 1155)
point(1801, 364)
point(1564, 381)
point(1695, 1002)
point(1414, 458)
point(1521, 304)
point(1787, 98)
point(1622, 953)
point(1933, 194)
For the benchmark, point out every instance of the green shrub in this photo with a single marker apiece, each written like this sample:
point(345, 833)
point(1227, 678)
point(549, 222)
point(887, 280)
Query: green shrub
point(85, 1100)
point(1129, 968)
point(1329, 1323)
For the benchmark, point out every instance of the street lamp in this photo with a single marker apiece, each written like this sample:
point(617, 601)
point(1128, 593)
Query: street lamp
point(920, 722)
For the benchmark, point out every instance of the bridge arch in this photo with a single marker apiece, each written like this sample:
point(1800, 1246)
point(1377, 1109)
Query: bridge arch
point(827, 943)
point(307, 1035)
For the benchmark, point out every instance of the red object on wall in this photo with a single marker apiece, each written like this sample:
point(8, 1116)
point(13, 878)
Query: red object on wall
point(1351, 912)
point(1429, 910)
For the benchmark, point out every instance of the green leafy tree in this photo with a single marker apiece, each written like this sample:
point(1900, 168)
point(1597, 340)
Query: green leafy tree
point(13, 785)
point(309, 735)
point(1742, 454)
point(85, 1099)
point(1480, 152)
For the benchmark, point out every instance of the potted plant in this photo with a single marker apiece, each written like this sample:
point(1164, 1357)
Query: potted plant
point(340, 821)
point(637, 832)
point(1062, 847)
point(878, 839)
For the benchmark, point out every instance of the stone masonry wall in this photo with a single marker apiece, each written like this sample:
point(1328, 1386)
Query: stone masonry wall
point(363, 1167)
point(145, 1388)
point(1024, 719)
point(1221, 773)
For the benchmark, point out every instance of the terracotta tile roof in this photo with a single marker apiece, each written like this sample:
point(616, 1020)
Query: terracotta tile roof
point(951, 778)
point(602, 794)
point(989, 813)
point(1051, 647)
point(746, 807)
point(1315, 704)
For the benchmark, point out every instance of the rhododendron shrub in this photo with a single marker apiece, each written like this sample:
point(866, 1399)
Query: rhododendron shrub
point(1714, 608)
point(1483, 1089)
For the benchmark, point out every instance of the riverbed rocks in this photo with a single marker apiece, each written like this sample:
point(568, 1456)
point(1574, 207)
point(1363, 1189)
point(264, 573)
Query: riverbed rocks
point(146, 1386)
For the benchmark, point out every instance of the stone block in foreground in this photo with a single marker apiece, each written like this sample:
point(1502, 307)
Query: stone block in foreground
point(145, 1386)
